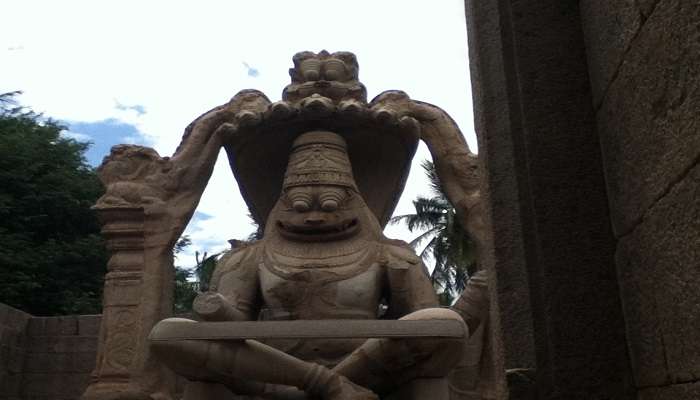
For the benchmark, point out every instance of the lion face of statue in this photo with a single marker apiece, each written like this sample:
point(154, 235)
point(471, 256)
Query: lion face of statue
point(318, 213)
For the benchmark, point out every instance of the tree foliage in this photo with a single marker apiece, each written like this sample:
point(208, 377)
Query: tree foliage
point(445, 240)
point(185, 289)
point(191, 281)
point(52, 258)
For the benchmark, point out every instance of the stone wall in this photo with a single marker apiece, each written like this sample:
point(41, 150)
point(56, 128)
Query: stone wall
point(59, 357)
point(588, 118)
point(644, 62)
point(46, 358)
point(552, 251)
point(49, 358)
point(13, 326)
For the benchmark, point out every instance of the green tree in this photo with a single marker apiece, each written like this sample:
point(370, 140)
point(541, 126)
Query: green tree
point(191, 281)
point(52, 258)
point(445, 240)
point(204, 268)
point(185, 289)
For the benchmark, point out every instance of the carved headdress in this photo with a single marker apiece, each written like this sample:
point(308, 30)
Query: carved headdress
point(326, 108)
point(319, 158)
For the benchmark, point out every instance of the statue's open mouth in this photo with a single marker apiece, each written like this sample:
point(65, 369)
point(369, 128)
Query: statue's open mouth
point(323, 232)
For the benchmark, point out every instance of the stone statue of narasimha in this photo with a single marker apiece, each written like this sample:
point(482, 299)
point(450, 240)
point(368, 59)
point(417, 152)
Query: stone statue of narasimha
point(321, 172)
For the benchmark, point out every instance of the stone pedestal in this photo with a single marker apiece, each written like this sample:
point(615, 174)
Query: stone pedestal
point(124, 368)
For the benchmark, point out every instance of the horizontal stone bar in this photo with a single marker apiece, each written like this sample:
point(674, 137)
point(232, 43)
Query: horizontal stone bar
point(308, 329)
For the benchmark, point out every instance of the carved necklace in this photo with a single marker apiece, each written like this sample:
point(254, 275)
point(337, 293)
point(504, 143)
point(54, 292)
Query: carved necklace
point(322, 270)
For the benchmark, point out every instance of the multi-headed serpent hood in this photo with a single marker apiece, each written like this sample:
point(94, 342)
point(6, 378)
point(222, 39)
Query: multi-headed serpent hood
point(325, 95)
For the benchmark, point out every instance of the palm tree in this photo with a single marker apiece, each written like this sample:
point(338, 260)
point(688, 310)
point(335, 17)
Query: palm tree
point(204, 268)
point(447, 242)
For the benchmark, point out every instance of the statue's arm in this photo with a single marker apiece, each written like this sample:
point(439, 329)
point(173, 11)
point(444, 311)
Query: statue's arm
point(473, 303)
point(194, 159)
point(234, 290)
point(456, 166)
point(169, 188)
point(409, 286)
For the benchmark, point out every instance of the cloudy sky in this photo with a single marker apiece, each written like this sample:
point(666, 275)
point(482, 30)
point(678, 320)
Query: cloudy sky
point(140, 71)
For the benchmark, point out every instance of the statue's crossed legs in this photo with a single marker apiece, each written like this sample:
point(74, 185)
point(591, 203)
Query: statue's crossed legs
point(377, 366)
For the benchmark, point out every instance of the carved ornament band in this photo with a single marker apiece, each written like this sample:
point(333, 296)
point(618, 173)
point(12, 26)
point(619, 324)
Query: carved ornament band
point(319, 158)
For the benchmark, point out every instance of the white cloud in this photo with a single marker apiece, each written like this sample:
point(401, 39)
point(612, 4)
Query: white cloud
point(81, 137)
point(180, 59)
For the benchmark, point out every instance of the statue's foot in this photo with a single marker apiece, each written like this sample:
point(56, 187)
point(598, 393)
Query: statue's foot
point(340, 388)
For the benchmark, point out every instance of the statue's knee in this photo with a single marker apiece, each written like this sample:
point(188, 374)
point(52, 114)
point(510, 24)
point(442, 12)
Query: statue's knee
point(444, 352)
point(432, 313)
point(185, 357)
point(158, 342)
point(437, 314)
point(165, 327)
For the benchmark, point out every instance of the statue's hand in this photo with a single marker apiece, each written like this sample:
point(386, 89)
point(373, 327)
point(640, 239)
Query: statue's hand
point(213, 306)
point(397, 104)
point(203, 137)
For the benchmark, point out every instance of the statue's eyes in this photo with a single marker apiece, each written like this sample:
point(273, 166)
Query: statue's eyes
point(331, 198)
point(301, 206)
point(325, 198)
point(300, 199)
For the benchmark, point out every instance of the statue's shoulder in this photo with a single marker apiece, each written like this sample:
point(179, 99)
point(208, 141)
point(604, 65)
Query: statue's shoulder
point(244, 256)
point(399, 255)
point(243, 253)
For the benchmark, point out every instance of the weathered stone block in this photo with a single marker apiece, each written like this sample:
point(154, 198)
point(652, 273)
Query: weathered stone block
point(77, 344)
point(609, 27)
point(687, 391)
point(7, 335)
point(13, 324)
point(61, 326)
point(36, 327)
point(59, 362)
point(36, 362)
point(65, 385)
point(10, 384)
point(4, 311)
point(647, 6)
point(84, 362)
point(648, 123)
point(89, 325)
point(62, 344)
point(15, 359)
point(12, 337)
point(4, 355)
point(659, 269)
point(41, 344)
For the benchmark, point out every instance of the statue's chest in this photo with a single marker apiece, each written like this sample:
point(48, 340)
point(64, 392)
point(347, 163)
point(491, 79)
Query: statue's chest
point(348, 287)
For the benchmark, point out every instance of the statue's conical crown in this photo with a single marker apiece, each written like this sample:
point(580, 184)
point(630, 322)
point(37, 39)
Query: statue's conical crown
point(319, 158)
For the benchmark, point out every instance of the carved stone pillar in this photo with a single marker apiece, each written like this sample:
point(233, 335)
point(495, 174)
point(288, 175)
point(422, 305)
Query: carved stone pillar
point(124, 368)
point(147, 204)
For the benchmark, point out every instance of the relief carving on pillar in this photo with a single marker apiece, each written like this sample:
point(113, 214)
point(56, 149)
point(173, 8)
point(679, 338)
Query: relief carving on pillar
point(135, 176)
point(120, 343)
